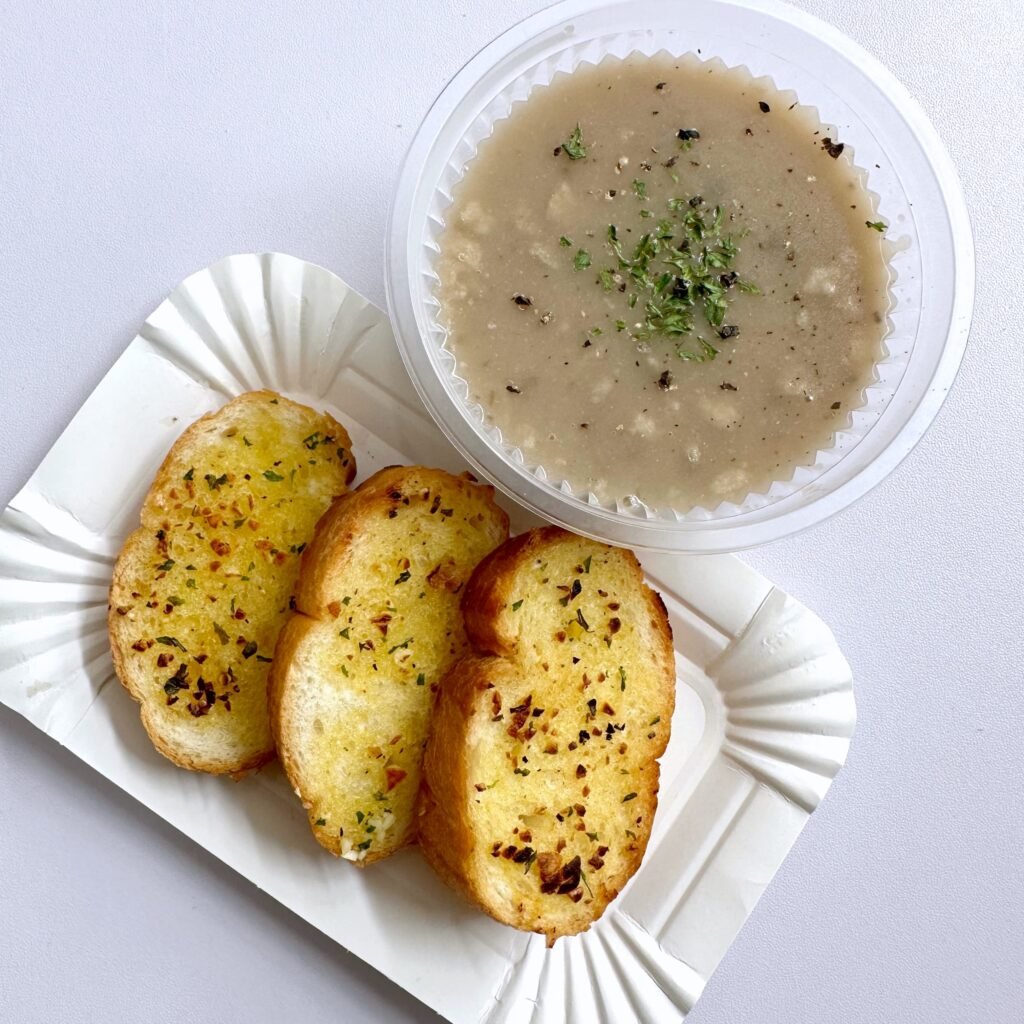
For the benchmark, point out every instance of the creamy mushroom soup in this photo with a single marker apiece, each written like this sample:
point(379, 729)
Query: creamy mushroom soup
point(662, 279)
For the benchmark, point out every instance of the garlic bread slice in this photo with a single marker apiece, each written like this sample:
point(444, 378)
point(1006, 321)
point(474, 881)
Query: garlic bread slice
point(202, 587)
point(376, 626)
point(541, 774)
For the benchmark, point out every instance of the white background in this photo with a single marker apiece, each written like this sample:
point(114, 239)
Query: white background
point(142, 141)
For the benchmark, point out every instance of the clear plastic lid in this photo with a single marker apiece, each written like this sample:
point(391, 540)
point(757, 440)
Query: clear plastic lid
point(919, 197)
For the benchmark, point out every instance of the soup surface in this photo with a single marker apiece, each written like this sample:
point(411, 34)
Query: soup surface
point(662, 279)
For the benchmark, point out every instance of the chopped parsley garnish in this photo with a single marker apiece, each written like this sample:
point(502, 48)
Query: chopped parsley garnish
point(639, 188)
point(586, 563)
point(516, 605)
point(628, 797)
point(622, 678)
point(655, 720)
point(188, 475)
point(421, 679)
point(320, 821)
point(582, 260)
point(398, 647)
point(581, 620)
point(249, 649)
point(174, 600)
point(344, 632)
point(221, 634)
point(574, 148)
point(565, 242)
point(878, 225)
point(215, 482)
point(269, 474)
point(165, 566)
point(680, 274)
point(403, 577)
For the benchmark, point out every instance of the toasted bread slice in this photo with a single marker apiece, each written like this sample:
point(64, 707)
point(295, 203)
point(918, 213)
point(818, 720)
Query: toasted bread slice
point(377, 626)
point(201, 588)
point(541, 774)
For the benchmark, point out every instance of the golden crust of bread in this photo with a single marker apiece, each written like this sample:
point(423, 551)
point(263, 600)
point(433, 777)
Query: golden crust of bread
point(541, 775)
point(200, 589)
point(377, 624)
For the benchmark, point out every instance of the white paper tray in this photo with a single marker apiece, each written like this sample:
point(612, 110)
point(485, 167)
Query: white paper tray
point(764, 713)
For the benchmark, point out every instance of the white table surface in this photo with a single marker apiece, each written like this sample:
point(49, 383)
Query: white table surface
point(141, 141)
